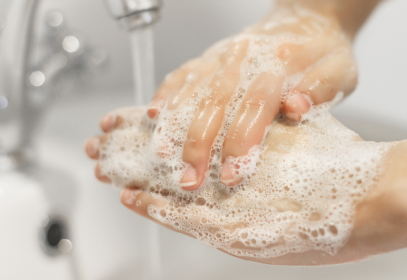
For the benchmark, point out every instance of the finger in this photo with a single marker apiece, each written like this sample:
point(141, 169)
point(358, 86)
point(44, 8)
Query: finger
point(337, 73)
point(171, 82)
point(138, 201)
point(100, 176)
point(296, 106)
point(108, 122)
point(92, 147)
point(118, 118)
point(208, 120)
point(297, 58)
point(191, 82)
point(321, 84)
point(258, 109)
point(186, 90)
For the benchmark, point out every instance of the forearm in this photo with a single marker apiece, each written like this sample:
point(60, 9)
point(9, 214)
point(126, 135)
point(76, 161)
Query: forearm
point(351, 14)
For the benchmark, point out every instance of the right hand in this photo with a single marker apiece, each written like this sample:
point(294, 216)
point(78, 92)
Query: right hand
point(324, 58)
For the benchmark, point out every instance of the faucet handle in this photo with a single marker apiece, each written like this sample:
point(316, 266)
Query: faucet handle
point(34, 69)
point(65, 56)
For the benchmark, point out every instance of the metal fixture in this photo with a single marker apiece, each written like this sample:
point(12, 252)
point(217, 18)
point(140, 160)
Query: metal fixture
point(133, 14)
point(16, 114)
point(31, 74)
point(28, 83)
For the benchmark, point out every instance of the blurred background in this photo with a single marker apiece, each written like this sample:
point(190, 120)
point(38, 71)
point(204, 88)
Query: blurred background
point(187, 28)
point(108, 241)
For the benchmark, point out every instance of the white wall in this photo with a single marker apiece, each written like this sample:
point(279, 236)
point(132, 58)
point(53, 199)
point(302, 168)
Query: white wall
point(381, 51)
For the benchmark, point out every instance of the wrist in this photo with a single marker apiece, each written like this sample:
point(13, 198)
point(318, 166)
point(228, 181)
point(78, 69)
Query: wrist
point(349, 14)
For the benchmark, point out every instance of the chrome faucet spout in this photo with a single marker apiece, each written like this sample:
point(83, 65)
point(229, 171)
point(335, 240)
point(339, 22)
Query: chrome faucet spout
point(133, 14)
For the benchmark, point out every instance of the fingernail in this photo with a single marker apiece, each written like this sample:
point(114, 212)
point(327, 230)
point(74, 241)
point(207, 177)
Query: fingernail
point(92, 147)
point(155, 107)
point(100, 176)
point(226, 175)
point(109, 122)
point(153, 112)
point(296, 106)
point(189, 179)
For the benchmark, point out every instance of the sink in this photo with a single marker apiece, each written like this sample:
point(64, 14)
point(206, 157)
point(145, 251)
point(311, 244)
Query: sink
point(23, 211)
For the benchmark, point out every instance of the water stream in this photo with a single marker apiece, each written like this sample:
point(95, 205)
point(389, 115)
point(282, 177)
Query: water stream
point(142, 45)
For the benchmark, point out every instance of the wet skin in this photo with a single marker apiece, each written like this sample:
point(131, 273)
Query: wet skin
point(325, 57)
point(380, 220)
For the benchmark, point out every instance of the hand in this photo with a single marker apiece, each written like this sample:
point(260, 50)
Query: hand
point(288, 62)
point(379, 215)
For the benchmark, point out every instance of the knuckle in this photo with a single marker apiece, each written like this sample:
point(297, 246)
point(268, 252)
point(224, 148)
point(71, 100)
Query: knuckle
point(325, 83)
point(322, 90)
point(215, 98)
point(285, 51)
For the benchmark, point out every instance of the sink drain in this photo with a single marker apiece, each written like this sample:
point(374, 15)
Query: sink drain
point(55, 237)
point(54, 234)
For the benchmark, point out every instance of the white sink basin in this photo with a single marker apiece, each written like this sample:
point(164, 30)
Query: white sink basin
point(23, 210)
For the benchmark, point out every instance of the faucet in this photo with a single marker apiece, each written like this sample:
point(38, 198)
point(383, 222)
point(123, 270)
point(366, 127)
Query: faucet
point(135, 14)
point(24, 94)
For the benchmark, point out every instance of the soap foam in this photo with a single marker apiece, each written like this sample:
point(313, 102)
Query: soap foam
point(300, 186)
